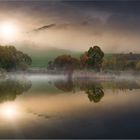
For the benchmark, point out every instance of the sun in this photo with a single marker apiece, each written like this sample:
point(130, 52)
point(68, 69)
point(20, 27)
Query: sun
point(8, 31)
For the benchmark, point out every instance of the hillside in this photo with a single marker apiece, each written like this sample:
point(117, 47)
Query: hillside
point(41, 57)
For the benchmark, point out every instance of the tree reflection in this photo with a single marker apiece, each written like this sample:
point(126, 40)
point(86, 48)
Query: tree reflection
point(66, 86)
point(95, 93)
point(10, 88)
point(94, 90)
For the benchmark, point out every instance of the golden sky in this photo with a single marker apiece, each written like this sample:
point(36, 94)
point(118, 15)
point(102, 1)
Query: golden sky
point(114, 26)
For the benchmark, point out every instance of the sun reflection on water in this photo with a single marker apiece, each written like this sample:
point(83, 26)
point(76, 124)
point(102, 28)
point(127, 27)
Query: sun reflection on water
point(9, 111)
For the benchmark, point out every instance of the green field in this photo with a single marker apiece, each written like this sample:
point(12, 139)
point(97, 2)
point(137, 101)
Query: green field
point(41, 57)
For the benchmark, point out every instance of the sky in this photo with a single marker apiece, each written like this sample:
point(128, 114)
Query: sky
point(74, 25)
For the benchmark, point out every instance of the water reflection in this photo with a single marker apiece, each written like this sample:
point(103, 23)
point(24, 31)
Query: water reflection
point(95, 92)
point(52, 107)
point(95, 88)
point(10, 88)
point(66, 86)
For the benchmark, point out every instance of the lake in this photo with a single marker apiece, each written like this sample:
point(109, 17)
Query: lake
point(55, 106)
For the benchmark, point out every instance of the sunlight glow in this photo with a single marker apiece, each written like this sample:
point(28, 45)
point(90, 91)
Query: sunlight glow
point(8, 31)
point(9, 111)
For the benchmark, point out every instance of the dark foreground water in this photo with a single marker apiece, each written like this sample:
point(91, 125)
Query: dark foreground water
point(43, 106)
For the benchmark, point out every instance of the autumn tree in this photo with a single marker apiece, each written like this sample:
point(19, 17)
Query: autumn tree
point(109, 63)
point(64, 62)
point(12, 59)
point(138, 65)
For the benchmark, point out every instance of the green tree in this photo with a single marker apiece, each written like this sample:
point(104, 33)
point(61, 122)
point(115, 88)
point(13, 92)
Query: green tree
point(93, 58)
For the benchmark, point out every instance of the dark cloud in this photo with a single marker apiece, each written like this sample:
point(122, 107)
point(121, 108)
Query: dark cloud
point(124, 22)
point(79, 10)
point(43, 27)
point(113, 6)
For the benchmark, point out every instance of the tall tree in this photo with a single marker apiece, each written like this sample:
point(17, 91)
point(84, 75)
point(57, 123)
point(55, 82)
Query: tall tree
point(93, 58)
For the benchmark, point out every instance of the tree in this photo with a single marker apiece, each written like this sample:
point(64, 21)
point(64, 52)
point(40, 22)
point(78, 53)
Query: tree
point(64, 62)
point(93, 58)
point(138, 65)
point(131, 65)
point(12, 59)
point(50, 65)
point(109, 63)
point(84, 60)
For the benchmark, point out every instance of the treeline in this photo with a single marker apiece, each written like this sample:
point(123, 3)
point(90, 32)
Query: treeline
point(95, 59)
point(12, 59)
point(128, 61)
point(91, 59)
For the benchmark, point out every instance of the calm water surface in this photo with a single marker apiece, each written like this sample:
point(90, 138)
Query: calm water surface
point(45, 106)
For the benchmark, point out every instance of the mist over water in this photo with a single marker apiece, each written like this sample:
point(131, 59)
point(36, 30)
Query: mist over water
point(64, 106)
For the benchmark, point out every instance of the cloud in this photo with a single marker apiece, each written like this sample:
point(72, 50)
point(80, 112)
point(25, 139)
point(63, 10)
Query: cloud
point(43, 27)
point(78, 24)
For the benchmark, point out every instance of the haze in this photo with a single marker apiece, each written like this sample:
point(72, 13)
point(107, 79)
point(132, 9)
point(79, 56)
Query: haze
point(113, 25)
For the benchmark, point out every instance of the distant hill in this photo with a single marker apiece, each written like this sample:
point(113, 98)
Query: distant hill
point(41, 57)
